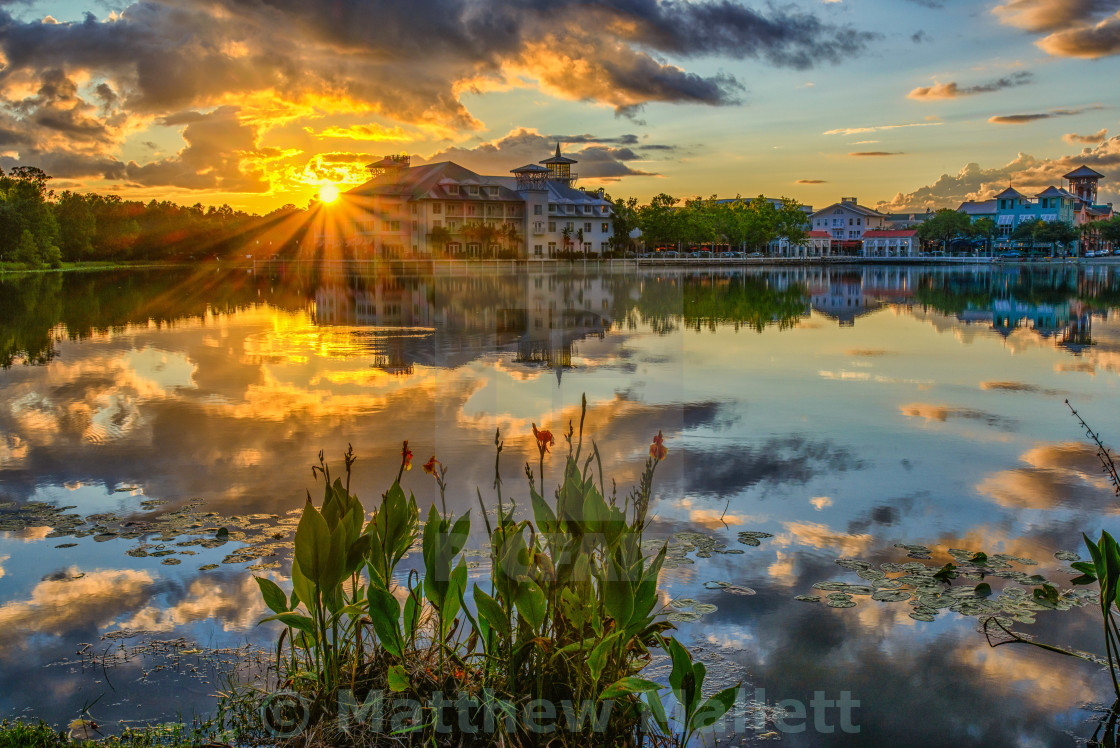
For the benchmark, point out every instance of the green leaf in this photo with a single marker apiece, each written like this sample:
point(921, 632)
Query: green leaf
point(983, 590)
point(979, 558)
point(412, 607)
point(295, 620)
point(653, 701)
point(398, 678)
point(304, 588)
point(945, 573)
point(274, 597)
point(531, 602)
point(491, 611)
point(313, 541)
point(714, 708)
point(385, 612)
point(546, 518)
point(628, 685)
point(600, 655)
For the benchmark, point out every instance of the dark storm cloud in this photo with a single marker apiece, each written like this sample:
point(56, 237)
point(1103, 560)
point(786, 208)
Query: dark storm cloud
point(527, 146)
point(795, 459)
point(171, 55)
point(212, 159)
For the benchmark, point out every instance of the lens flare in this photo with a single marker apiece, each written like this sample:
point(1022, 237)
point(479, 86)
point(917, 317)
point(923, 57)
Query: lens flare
point(328, 193)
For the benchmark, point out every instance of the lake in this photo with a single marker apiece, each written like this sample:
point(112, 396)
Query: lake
point(811, 414)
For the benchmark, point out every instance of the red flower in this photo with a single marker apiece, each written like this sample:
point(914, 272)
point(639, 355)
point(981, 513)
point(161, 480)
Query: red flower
point(544, 439)
point(430, 465)
point(657, 450)
point(406, 456)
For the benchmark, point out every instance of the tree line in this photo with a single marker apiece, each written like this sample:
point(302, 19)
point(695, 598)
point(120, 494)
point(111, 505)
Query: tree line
point(741, 223)
point(39, 227)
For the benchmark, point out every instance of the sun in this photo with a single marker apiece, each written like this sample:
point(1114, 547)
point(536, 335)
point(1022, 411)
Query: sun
point(328, 193)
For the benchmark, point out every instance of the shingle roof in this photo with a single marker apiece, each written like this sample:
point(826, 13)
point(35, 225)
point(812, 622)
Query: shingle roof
point(852, 206)
point(1083, 171)
point(977, 207)
point(1011, 192)
point(1052, 191)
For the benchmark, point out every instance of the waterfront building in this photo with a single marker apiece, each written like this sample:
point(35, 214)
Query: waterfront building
point(815, 244)
point(891, 243)
point(845, 222)
point(444, 209)
point(1075, 206)
point(907, 220)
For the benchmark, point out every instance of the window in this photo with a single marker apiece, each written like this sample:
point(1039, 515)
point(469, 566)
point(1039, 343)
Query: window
point(858, 221)
point(587, 227)
point(586, 209)
point(437, 224)
point(413, 206)
point(850, 223)
point(538, 210)
point(394, 225)
point(452, 189)
point(552, 226)
point(606, 228)
point(538, 250)
point(570, 226)
point(472, 210)
point(472, 189)
point(437, 208)
point(551, 248)
point(384, 225)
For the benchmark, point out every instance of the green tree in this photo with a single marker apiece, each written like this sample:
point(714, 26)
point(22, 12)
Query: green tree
point(77, 226)
point(984, 228)
point(624, 220)
point(944, 226)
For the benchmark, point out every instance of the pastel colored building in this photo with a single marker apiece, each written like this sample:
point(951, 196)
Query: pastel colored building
point(891, 243)
point(845, 223)
point(1075, 206)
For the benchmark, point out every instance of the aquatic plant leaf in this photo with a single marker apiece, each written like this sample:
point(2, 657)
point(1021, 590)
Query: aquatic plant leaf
point(808, 598)
point(628, 685)
point(841, 603)
point(295, 620)
point(398, 678)
point(491, 612)
point(890, 596)
point(385, 612)
point(274, 597)
point(714, 707)
point(531, 602)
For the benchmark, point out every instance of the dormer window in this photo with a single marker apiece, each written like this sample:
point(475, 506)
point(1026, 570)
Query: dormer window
point(452, 189)
point(472, 189)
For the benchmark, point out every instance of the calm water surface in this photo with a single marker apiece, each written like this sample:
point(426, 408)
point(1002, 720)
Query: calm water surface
point(842, 411)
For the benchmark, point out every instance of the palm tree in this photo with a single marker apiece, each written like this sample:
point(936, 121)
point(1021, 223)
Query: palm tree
point(579, 240)
point(438, 238)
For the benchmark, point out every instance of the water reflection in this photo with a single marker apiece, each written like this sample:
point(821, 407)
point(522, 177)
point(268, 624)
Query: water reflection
point(839, 410)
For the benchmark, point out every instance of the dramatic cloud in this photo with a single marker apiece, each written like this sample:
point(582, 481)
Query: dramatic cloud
point(71, 94)
point(1092, 139)
point(1073, 28)
point(862, 154)
point(951, 90)
point(1029, 174)
point(598, 159)
point(217, 144)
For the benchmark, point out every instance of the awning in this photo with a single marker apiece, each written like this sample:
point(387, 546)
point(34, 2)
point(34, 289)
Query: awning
point(1049, 216)
point(1006, 220)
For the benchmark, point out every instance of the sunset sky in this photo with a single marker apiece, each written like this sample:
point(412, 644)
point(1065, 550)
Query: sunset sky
point(257, 103)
